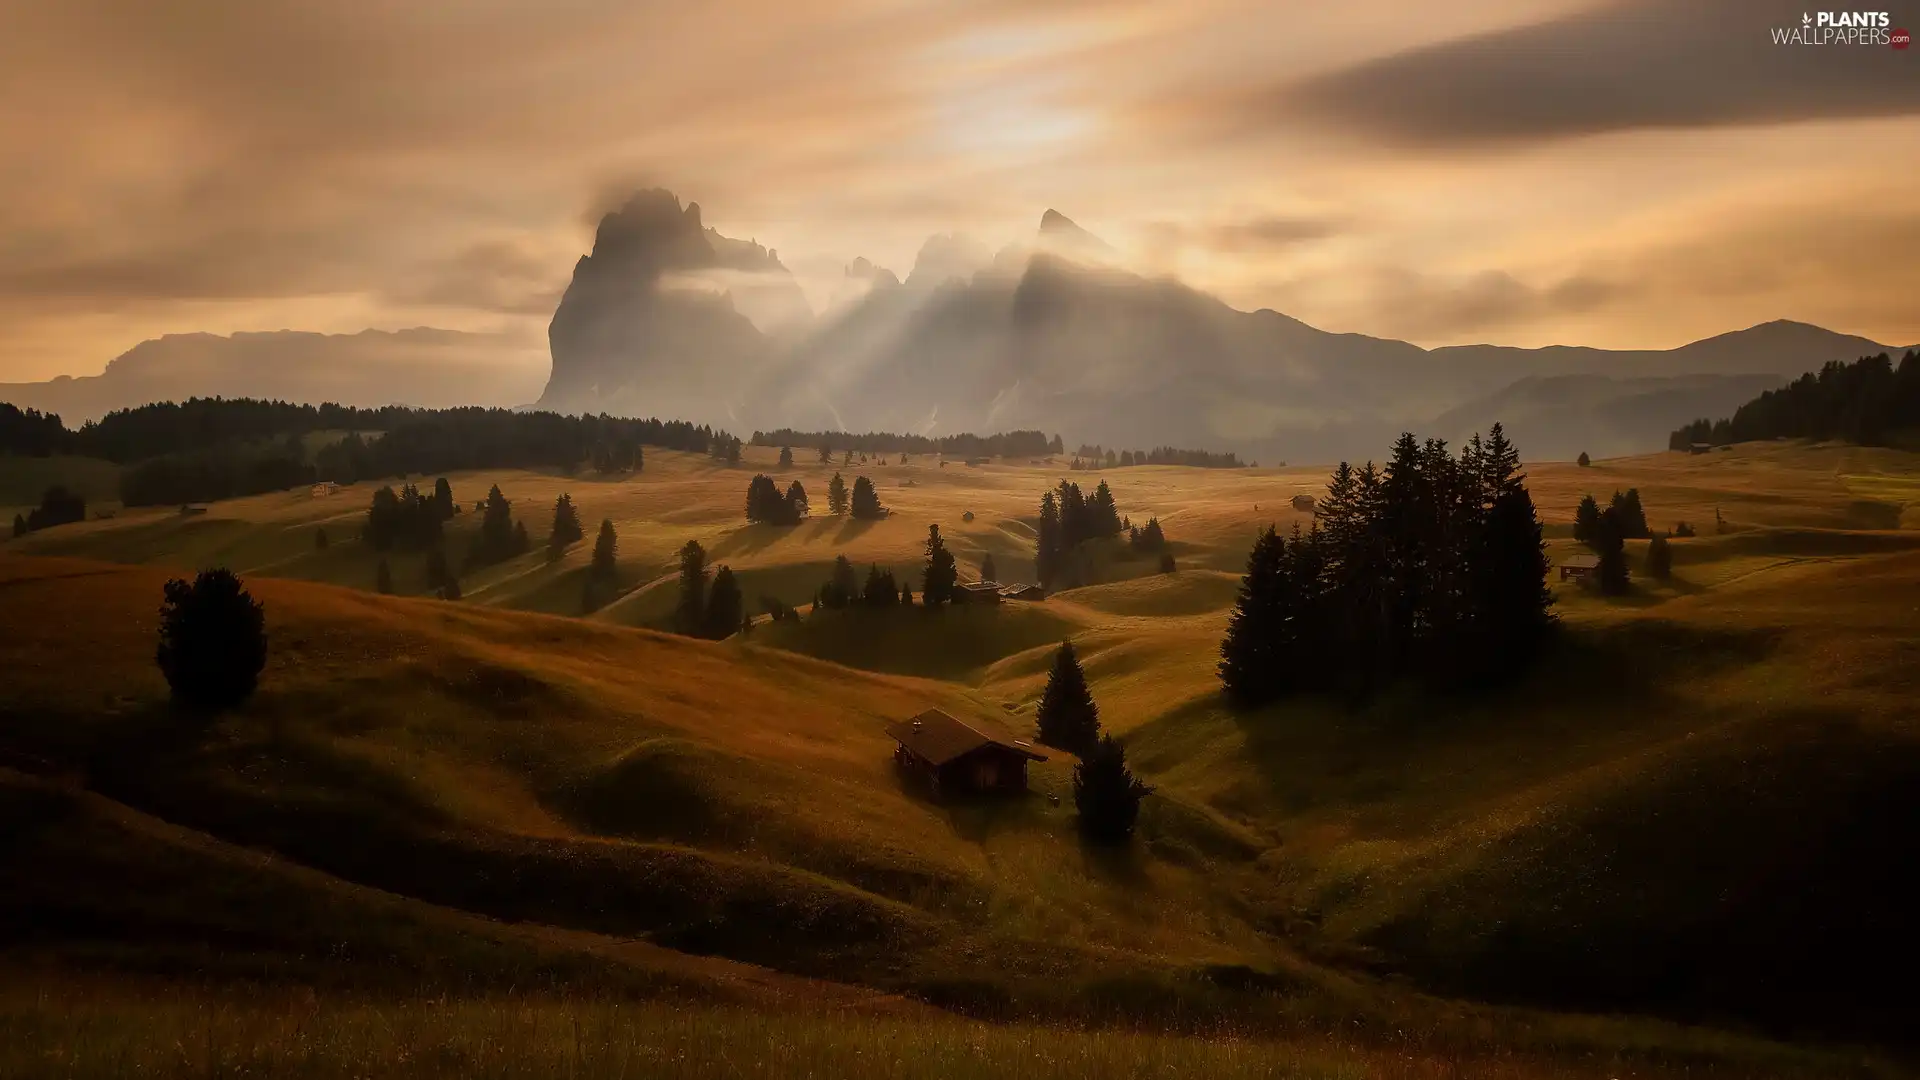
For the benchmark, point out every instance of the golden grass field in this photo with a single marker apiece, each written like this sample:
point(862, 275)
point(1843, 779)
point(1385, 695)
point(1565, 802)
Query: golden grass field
point(579, 812)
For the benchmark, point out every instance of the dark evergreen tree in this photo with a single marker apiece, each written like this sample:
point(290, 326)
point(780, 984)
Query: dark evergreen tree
point(1609, 543)
point(497, 539)
point(58, 506)
point(826, 456)
point(19, 526)
point(1067, 716)
point(1049, 543)
point(604, 568)
point(213, 640)
point(906, 595)
point(1514, 606)
point(733, 458)
point(767, 506)
point(938, 577)
point(690, 614)
point(1254, 655)
point(1150, 537)
point(383, 578)
point(836, 496)
point(1106, 794)
point(1167, 565)
point(797, 509)
point(522, 543)
point(725, 606)
point(866, 501)
point(566, 527)
point(1659, 559)
point(443, 498)
point(1586, 521)
point(1103, 517)
point(880, 590)
point(786, 457)
point(988, 571)
point(1584, 460)
point(843, 588)
point(1630, 519)
point(1682, 529)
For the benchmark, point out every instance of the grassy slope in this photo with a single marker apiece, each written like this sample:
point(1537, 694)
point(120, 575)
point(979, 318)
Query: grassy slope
point(1524, 847)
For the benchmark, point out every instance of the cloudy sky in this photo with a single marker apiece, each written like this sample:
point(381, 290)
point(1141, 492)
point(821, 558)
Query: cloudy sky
point(1519, 171)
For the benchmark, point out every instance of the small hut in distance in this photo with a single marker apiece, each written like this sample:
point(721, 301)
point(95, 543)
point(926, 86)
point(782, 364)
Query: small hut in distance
point(1303, 503)
point(954, 757)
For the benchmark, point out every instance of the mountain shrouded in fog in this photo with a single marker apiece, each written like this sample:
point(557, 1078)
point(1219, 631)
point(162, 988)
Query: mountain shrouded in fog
point(668, 317)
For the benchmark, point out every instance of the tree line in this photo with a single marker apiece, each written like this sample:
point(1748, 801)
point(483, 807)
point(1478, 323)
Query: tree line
point(31, 433)
point(1869, 402)
point(1070, 518)
point(1003, 444)
point(1094, 456)
point(767, 505)
point(1432, 566)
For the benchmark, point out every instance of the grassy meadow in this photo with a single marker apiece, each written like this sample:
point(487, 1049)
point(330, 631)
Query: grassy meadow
point(479, 839)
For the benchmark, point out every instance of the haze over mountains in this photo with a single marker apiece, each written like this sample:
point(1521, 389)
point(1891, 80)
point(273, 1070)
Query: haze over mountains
point(668, 317)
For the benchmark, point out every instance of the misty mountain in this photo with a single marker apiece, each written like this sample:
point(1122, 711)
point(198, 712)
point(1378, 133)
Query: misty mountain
point(421, 366)
point(1599, 414)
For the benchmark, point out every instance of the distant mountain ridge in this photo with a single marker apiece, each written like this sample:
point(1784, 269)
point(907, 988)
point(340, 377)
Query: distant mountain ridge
point(1052, 334)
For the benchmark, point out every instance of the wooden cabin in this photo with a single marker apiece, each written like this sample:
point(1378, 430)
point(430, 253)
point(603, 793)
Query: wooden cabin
point(1579, 567)
point(1303, 503)
point(977, 592)
point(1024, 592)
point(954, 757)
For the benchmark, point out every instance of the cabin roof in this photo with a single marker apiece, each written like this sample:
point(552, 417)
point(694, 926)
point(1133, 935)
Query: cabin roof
point(1582, 562)
point(980, 586)
point(939, 738)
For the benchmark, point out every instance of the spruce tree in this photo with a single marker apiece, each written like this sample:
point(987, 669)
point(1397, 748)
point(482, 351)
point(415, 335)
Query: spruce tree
point(826, 456)
point(1512, 600)
point(786, 457)
point(1659, 559)
point(844, 587)
point(733, 457)
point(690, 613)
point(880, 591)
point(383, 578)
point(1253, 654)
point(1586, 521)
point(1584, 461)
point(866, 501)
point(1167, 565)
point(796, 509)
point(725, 605)
point(937, 578)
point(906, 595)
point(522, 543)
point(1613, 573)
point(213, 640)
point(604, 568)
point(1106, 794)
point(1048, 542)
point(1067, 716)
point(443, 498)
point(988, 571)
point(19, 526)
point(836, 494)
point(566, 526)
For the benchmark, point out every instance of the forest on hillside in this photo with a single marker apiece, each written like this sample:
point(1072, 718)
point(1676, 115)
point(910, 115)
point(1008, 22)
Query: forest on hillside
point(1870, 402)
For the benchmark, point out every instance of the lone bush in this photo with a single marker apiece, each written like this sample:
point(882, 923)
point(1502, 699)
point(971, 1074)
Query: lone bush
point(213, 640)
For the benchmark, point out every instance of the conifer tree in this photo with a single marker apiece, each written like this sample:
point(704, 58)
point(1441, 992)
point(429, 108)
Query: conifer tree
point(786, 457)
point(689, 615)
point(19, 526)
point(1048, 543)
point(383, 578)
point(1659, 559)
point(1253, 657)
point(1106, 794)
point(604, 568)
point(880, 591)
point(1613, 573)
point(988, 571)
point(1167, 565)
point(906, 595)
point(733, 456)
point(1584, 461)
point(843, 588)
point(797, 508)
point(522, 543)
point(826, 456)
point(566, 527)
point(1586, 521)
point(443, 498)
point(1067, 716)
point(213, 640)
point(836, 494)
point(725, 606)
point(866, 501)
point(937, 578)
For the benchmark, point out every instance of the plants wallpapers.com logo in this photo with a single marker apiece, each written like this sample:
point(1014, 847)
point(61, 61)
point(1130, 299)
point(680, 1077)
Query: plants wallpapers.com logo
point(1843, 28)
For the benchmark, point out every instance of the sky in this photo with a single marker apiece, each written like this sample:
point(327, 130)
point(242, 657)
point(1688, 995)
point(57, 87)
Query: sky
point(1604, 172)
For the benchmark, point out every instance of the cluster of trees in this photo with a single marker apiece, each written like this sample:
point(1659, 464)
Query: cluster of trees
point(844, 590)
point(708, 609)
point(1624, 517)
point(725, 448)
point(1433, 565)
point(221, 472)
point(1870, 402)
point(1106, 795)
point(1004, 444)
point(408, 520)
point(32, 433)
point(1069, 518)
point(767, 506)
point(500, 537)
point(58, 506)
point(1094, 456)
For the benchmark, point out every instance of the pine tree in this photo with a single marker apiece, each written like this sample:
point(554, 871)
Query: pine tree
point(19, 526)
point(1613, 573)
point(733, 457)
point(522, 543)
point(1166, 562)
point(836, 494)
point(443, 498)
point(786, 457)
point(1106, 794)
point(1512, 600)
point(604, 568)
point(843, 587)
point(1659, 559)
point(797, 509)
point(988, 571)
point(880, 591)
point(1048, 543)
point(566, 526)
point(725, 606)
point(937, 578)
point(1253, 655)
point(690, 614)
point(1067, 716)
point(383, 578)
point(1586, 521)
point(866, 501)
point(826, 456)
point(213, 640)
point(1584, 461)
point(906, 595)
point(1103, 517)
